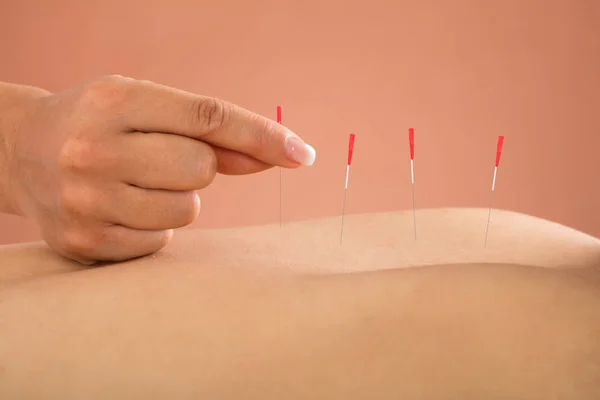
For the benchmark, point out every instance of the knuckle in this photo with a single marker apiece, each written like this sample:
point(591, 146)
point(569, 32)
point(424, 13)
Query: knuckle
point(78, 154)
point(77, 200)
point(209, 114)
point(105, 94)
point(78, 242)
point(84, 152)
point(69, 199)
point(143, 82)
point(116, 79)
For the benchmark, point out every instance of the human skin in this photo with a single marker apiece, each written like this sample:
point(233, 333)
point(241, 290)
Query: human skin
point(109, 168)
point(269, 312)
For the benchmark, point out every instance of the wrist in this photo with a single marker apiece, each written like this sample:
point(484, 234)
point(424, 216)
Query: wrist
point(16, 103)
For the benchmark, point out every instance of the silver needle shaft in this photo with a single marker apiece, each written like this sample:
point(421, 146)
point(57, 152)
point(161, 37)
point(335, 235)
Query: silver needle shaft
point(280, 190)
point(490, 209)
point(412, 175)
point(414, 212)
point(488, 220)
point(343, 214)
point(279, 121)
point(411, 143)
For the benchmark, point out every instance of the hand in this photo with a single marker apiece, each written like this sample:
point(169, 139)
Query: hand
point(110, 168)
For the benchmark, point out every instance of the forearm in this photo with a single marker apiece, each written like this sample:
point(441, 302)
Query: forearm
point(15, 101)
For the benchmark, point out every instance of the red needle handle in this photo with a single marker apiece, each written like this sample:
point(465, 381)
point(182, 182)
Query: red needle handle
point(351, 148)
point(499, 149)
point(411, 142)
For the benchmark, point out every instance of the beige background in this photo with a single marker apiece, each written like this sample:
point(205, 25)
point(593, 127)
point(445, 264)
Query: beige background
point(461, 72)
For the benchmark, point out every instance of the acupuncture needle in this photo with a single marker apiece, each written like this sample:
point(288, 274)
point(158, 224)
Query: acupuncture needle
point(350, 152)
point(411, 142)
point(498, 155)
point(279, 120)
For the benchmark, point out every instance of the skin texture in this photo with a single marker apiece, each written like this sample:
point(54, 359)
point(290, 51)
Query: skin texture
point(109, 168)
point(269, 312)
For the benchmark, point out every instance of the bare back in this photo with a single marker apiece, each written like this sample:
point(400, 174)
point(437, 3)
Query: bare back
point(269, 312)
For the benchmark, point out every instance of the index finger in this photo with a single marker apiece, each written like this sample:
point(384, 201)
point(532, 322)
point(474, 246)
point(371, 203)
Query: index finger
point(156, 108)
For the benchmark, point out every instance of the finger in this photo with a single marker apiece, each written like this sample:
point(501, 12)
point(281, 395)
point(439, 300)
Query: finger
point(230, 162)
point(139, 208)
point(112, 243)
point(123, 243)
point(156, 108)
point(169, 162)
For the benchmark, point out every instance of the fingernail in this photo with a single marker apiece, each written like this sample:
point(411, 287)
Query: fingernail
point(299, 151)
